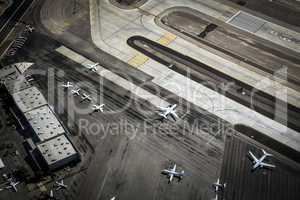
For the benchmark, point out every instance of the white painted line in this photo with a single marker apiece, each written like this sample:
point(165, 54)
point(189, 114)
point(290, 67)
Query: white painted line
point(233, 16)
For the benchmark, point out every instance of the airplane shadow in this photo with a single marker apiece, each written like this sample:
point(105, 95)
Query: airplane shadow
point(160, 119)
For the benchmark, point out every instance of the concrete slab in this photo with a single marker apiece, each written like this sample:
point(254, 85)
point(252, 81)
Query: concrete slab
point(118, 47)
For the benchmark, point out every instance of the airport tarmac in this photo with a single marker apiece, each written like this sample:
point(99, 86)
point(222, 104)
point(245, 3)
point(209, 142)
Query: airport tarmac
point(117, 46)
point(124, 150)
point(120, 165)
point(260, 183)
point(118, 158)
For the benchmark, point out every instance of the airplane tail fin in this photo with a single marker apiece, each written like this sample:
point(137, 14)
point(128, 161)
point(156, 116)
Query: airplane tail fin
point(265, 153)
point(181, 175)
point(162, 115)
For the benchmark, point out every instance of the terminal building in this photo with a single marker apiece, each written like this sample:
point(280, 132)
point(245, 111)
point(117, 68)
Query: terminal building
point(46, 138)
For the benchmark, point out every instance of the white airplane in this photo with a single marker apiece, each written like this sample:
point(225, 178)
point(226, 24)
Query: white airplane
point(76, 92)
point(29, 28)
point(218, 186)
point(51, 195)
point(69, 84)
point(172, 173)
point(86, 97)
point(60, 185)
point(93, 67)
point(29, 78)
point(11, 185)
point(258, 162)
point(98, 107)
point(170, 110)
point(171, 65)
point(113, 198)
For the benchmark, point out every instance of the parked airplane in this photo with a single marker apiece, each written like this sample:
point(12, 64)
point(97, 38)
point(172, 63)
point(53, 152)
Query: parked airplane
point(113, 198)
point(69, 84)
point(60, 185)
point(51, 195)
point(258, 162)
point(170, 110)
point(92, 67)
point(76, 92)
point(29, 28)
point(172, 173)
point(218, 186)
point(98, 107)
point(171, 65)
point(29, 78)
point(86, 97)
point(11, 184)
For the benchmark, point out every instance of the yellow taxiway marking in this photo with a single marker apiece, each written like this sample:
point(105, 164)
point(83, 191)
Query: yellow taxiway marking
point(140, 59)
point(167, 39)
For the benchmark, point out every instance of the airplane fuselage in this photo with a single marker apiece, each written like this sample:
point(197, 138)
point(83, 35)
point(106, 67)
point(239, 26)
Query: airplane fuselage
point(172, 172)
point(258, 163)
point(168, 110)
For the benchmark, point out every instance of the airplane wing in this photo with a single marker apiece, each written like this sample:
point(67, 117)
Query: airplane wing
point(171, 178)
point(267, 165)
point(162, 115)
point(162, 108)
point(15, 188)
point(166, 171)
point(253, 156)
point(174, 169)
